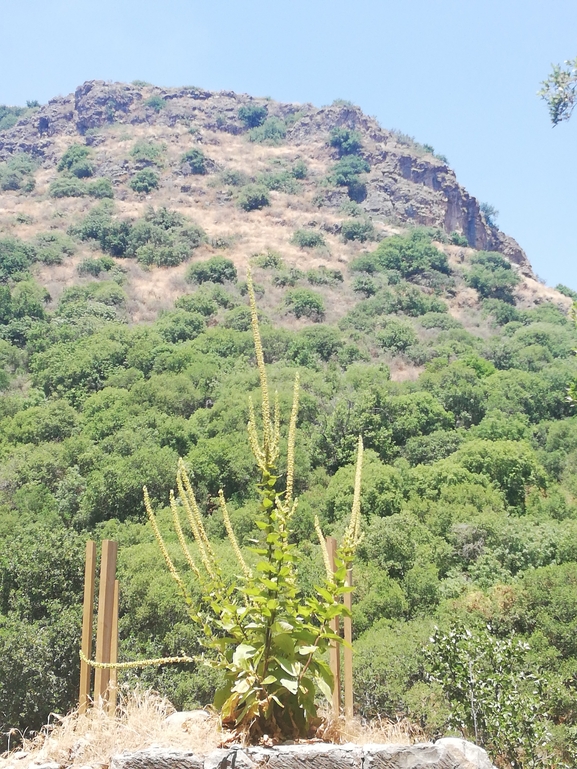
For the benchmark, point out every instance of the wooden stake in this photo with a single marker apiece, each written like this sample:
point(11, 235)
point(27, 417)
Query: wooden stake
point(348, 651)
point(105, 615)
point(334, 652)
point(113, 686)
point(87, 615)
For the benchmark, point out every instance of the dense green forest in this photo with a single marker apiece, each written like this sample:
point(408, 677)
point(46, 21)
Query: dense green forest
point(468, 486)
point(469, 502)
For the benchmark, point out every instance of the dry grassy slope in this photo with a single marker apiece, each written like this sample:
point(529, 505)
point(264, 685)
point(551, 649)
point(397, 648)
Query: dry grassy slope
point(406, 186)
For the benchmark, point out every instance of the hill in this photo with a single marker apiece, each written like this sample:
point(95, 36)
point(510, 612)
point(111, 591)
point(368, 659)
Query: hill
point(128, 217)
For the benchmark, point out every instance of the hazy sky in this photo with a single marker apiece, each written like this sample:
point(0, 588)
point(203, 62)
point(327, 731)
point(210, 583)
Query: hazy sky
point(461, 75)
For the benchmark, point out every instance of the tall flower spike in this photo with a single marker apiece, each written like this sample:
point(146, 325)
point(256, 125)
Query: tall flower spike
point(232, 536)
point(353, 533)
point(253, 437)
point(195, 522)
point(266, 423)
point(171, 567)
point(180, 535)
point(290, 473)
point(324, 551)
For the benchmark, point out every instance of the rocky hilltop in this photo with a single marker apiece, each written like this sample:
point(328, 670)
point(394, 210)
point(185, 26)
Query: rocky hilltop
point(406, 183)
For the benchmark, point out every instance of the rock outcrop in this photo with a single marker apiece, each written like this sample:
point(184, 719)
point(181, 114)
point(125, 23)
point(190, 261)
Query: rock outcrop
point(447, 753)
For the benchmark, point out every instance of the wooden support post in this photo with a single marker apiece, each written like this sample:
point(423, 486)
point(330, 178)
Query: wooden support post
point(348, 651)
point(87, 615)
point(113, 686)
point(105, 618)
point(334, 653)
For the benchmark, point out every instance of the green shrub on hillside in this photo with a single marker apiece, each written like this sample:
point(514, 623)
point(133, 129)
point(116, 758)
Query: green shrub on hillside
point(67, 187)
point(155, 102)
point(16, 173)
point(148, 152)
point(492, 276)
point(308, 239)
point(253, 197)
point(75, 161)
point(345, 140)
point(409, 255)
point(217, 269)
point(304, 303)
point(347, 173)
point(194, 161)
point(253, 115)
point(358, 229)
point(272, 131)
point(145, 180)
point(280, 181)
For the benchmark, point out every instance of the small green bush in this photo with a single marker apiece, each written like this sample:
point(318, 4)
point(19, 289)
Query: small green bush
point(156, 103)
point(458, 240)
point(75, 161)
point(282, 181)
point(492, 276)
point(217, 269)
point(358, 229)
point(270, 260)
point(365, 285)
point(322, 276)
point(299, 170)
point(308, 239)
point(52, 247)
point(272, 131)
point(347, 170)
point(347, 173)
point(288, 277)
point(345, 140)
point(253, 197)
point(17, 173)
point(253, 115)
point(95, 266)
point(566, 291)
point(100, 188)
point(234, 178)
point(194, 160)
point(145, 151)
point(144, 181)
point(304, 303)
point(397, 336)
point(490, 213)
point(408, 255)
point(67, 187)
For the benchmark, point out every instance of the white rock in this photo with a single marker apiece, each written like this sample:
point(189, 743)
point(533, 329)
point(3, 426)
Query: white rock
point(476, 756)
point(182, 717)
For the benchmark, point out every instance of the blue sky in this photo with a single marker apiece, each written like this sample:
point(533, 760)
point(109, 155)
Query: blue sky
point(461, 75)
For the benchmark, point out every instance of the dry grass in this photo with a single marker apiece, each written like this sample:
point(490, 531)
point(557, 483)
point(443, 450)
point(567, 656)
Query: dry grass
point(89, 740)
point(92, 738)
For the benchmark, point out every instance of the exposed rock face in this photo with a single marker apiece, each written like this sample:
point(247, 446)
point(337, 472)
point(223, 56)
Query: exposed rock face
point(448, 753)
point(405, 185)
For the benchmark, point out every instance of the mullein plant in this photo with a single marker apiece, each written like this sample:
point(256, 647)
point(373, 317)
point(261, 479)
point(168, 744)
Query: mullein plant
point(270, 641)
